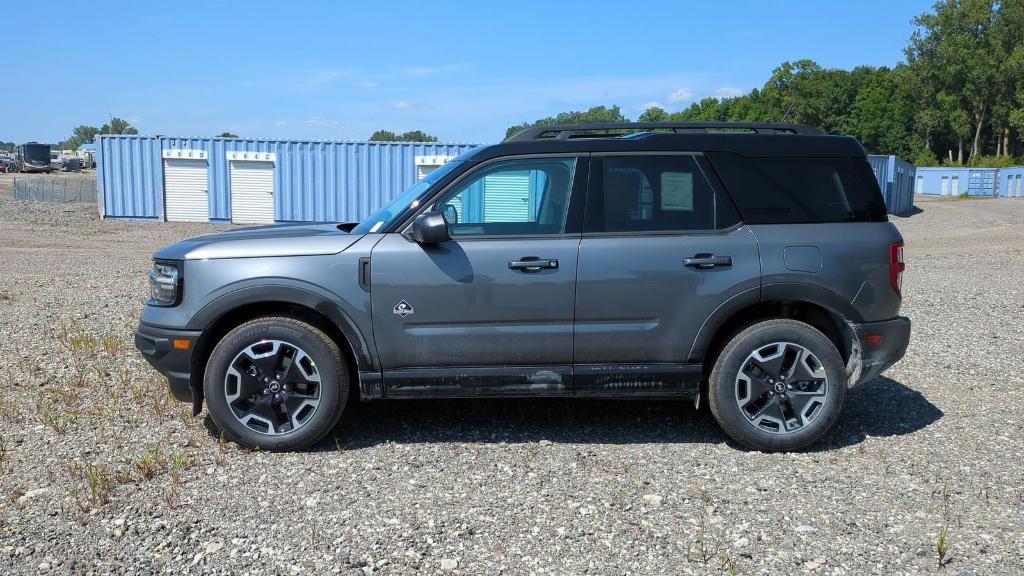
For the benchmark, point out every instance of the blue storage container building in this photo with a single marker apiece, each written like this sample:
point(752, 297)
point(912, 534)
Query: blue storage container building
point(195, 179)
point(896, 179)
point(957, 181)
point(309, 181)
point(1010, 182)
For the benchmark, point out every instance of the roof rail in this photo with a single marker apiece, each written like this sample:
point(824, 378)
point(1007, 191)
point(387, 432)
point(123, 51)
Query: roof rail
point(607, 129)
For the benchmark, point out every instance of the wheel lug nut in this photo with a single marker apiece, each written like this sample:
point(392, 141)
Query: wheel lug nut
point(266, 391)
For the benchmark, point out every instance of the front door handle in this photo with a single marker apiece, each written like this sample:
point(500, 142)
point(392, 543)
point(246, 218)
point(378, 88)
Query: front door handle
point(533, 264)
point(707, 261)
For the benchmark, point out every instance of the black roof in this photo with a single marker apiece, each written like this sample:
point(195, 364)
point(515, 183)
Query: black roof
point(755, 139)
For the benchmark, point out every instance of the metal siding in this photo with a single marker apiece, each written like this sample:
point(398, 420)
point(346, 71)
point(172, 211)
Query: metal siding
point(896, 181)
point(1011, 182)
point(129, 177)
point(932, 181)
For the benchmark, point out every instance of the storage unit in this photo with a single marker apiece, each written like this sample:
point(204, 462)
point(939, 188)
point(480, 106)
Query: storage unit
point(1011, 182)
point(896, 178)
point(956, 181)
point(251, 185)
point(186, 198)
point(258, 181)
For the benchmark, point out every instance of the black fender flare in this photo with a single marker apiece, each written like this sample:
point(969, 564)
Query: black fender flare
point(783, 291)
point(288, 291)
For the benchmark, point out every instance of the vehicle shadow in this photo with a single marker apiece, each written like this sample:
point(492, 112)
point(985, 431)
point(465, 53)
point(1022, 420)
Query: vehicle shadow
point(880, 408)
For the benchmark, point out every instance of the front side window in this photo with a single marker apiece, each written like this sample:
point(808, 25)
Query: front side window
point(655, 193)
point(526, 196)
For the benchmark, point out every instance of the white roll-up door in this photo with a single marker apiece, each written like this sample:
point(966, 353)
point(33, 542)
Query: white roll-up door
point(252, 192)
point(507, 197)
point(423, 169)
point(185, 190)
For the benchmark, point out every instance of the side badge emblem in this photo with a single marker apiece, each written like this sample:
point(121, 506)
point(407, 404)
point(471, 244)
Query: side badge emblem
point(403, 309)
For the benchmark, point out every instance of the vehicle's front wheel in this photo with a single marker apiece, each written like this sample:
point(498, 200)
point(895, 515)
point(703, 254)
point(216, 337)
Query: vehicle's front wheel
point(778, 385)
point(276, 383)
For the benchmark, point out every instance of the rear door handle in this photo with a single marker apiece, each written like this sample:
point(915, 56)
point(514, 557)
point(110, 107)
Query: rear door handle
point(533, 264)
point(707, 261)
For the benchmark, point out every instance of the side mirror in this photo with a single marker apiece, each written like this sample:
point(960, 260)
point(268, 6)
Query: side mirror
point(430, 228)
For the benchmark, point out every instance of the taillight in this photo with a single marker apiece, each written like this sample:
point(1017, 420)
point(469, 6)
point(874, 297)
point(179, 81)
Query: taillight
point(896, 267)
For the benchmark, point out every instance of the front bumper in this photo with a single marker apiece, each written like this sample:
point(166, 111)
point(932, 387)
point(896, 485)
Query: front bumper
point(156, 346)
point(882, 344)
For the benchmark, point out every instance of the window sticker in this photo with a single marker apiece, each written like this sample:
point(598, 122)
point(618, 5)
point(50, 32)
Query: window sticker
point(677, 191)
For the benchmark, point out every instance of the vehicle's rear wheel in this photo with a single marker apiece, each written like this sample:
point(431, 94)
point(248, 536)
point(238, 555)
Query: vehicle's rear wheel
point(276, 383)
point(777, 386)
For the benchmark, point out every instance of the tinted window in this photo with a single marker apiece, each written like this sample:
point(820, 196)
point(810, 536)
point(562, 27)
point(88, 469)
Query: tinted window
point(667, 193)
point(801, 190)
point(511, 197)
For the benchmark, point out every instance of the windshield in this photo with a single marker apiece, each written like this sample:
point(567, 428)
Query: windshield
point(37, 152)
point(409, 198)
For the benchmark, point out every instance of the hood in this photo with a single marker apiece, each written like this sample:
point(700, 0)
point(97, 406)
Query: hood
point(263, 241)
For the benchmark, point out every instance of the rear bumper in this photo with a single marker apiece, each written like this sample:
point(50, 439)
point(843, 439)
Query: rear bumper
point(893, 338)
point(156, 346)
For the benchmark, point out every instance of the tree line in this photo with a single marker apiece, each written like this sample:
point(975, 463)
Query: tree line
point(957, 99)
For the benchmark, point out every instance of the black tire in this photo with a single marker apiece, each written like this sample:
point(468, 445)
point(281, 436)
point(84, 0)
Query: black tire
point(725, 391)
point(328, 365)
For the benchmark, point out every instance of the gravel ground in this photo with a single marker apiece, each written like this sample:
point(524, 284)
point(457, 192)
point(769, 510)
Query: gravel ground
point(100, 472)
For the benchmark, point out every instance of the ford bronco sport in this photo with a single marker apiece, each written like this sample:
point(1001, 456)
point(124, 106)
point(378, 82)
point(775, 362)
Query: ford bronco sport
point(752, 264)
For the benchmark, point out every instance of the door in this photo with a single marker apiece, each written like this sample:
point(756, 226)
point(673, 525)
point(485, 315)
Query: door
point(491, 310)
point(920, 185)
point(185, 190)
point(252, 192)
point(661, 250)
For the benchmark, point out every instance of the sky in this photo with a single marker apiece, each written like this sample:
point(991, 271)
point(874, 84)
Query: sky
point(462, 71)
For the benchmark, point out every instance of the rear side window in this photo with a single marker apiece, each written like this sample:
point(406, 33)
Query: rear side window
point(654, 193)
point(801, 190)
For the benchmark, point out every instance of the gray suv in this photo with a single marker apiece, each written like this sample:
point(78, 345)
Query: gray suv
point(749, 264)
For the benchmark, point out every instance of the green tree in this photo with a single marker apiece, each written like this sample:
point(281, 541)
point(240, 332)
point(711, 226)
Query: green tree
point(882, 114)
point(593, 115)
point(958, 48)
point(80, 135)
point(410, 136)
point(654, 114)
point(707, 109)
point(227, 135)
point(118, 126)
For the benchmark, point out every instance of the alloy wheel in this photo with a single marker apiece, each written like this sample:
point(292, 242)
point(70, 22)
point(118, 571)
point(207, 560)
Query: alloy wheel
point(781, 387)
point(272, 387)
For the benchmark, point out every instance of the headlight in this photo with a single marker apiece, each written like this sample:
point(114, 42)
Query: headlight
point(164, 284)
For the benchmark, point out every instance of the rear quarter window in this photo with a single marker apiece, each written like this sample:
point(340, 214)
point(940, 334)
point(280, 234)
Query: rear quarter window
point(801, 190)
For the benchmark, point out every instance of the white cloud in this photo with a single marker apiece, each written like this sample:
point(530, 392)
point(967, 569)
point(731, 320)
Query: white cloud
point(364, 84)
point(728, 92)
point(421, 71)
point(319, 122)
point(652, 104)
point(281, 123)
point(681, 95)
point(401, 104)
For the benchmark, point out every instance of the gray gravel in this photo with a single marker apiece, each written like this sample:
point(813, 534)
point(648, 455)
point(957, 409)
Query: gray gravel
point(101, 473)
